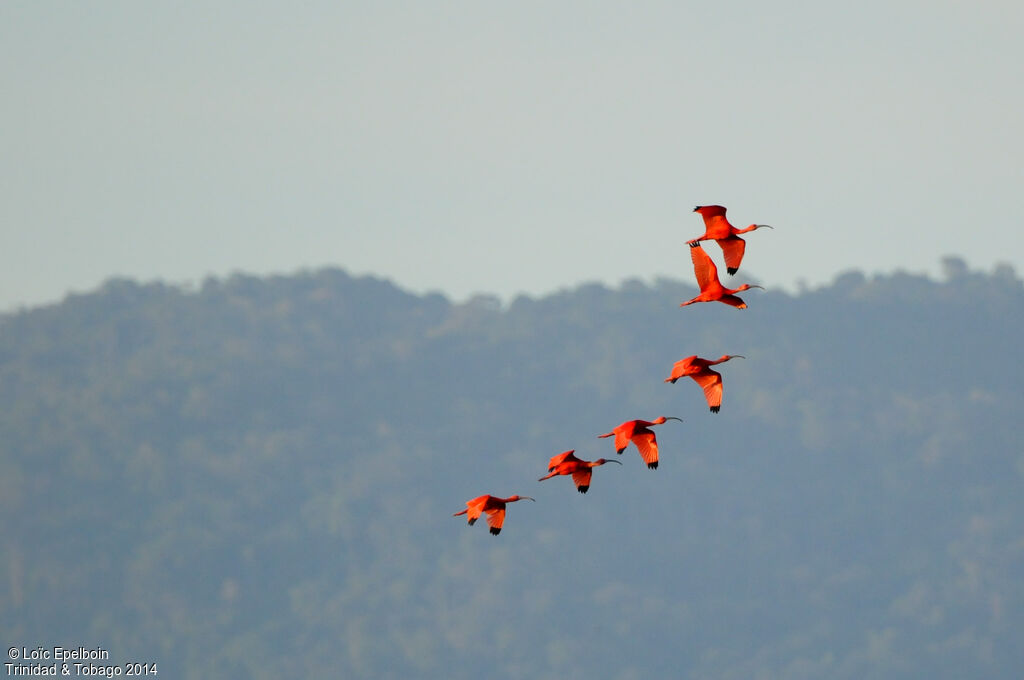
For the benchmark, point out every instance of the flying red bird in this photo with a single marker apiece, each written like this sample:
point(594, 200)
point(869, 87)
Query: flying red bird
point(711, 289)
point(638, 432)
point(493, 506)
point(568, 464)
point(699, 369)
point(717, 228)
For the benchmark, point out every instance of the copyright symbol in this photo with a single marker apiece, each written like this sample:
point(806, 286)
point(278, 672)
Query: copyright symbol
point(13, 652)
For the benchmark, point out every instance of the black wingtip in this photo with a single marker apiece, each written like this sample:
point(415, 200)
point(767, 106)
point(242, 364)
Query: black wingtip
point(472, 521)
point(653, 466)
point(716, 409)
point(495, 531)
point(732, 270)
point(582, 489)
point(694, 244)
point(621, 450)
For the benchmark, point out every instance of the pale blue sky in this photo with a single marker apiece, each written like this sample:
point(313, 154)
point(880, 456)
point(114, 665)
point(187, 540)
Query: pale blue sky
point(503, 147)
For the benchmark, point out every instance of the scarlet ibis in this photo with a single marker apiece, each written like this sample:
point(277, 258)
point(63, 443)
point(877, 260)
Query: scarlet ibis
point(493, 506)
point(638, 432)
point(568, 464)
point(699, 369)
point(707, 278)
point(718, 228)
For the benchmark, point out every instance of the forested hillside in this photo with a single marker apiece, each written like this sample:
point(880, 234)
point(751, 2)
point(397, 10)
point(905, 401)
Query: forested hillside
point(255, 479)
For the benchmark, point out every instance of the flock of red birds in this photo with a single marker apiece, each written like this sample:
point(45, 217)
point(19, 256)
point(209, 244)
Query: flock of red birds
point(716, 228)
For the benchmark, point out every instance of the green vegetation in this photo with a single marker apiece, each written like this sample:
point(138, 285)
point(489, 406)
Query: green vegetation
point(256, 479)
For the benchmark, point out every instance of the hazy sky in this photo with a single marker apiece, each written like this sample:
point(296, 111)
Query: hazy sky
point(503, 147)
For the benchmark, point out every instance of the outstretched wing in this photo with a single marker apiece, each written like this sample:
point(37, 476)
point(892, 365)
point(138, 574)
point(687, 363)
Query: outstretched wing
point(715, 223)
point(703, 268)
point(581, 478)
point(495, 518)
point(733, 248)
point(621, 440)
point(710, 211)
point(473, 508)
point(734, 301)
point(647, 444)
point(711, 381)
point(680, 367)
point(561, 458)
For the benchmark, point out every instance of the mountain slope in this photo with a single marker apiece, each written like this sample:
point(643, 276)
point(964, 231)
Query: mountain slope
point(256, 479)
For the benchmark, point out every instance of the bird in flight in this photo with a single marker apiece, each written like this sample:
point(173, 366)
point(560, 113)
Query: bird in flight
point(493, 506)
point(639, 432)
point(568, 464)
point(711, 289)
point(701, 372)
point(717, 228)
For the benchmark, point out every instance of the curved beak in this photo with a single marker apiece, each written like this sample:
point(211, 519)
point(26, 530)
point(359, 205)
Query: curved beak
point(608, 460)
point(736, 356)
point(527, 498)
point(756, 286)
point(766, 226)
point(673, 418)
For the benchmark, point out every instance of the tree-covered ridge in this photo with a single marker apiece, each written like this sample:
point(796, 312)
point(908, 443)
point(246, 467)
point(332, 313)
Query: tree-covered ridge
point(256, 478)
